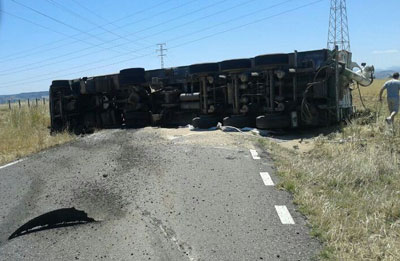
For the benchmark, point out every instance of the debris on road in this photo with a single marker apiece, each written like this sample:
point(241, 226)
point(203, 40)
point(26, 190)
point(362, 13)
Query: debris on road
point(58, 218)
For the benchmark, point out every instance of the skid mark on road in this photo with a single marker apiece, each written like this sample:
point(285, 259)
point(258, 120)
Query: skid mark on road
point(170, 235)
point(266, 179)
point(254, 154)
point(284, 215)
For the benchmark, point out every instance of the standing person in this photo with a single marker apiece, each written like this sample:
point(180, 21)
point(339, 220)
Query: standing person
point(392, 87)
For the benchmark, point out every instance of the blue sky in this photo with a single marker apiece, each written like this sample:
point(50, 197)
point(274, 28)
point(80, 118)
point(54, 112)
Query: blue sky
point(91, 37)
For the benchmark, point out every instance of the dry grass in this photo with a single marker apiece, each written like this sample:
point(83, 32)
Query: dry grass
point(25, 131)
point(349, 185)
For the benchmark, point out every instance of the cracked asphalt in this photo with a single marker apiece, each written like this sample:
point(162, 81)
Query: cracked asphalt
point(158, 195)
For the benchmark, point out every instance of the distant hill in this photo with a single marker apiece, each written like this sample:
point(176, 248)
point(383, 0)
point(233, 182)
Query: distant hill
point(23, 96)
point(384, 74)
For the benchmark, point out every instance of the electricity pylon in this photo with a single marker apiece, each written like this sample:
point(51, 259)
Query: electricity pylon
point(338, 33)
point(162, 54)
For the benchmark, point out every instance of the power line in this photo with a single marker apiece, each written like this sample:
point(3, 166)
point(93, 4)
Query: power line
point(141, 20)
point(34, 23)
point(49, 29)
point(89, 10)
point(148, 17)
point(178, 17)
point(35, 65)
point(247, 24)
point(58, 21)
point(102, 18)
point(176, 46)
point(53, 19)
point(120, 19)
point(73, 58)
point(163, 31)
point(105, 42)
point(66, 9)
point(162, 53)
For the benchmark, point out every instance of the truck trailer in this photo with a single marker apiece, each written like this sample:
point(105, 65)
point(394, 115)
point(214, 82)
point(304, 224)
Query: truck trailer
point(272, 91)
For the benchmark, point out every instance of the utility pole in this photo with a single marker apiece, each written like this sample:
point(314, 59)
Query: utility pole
point(338, 34)
point(162, 53)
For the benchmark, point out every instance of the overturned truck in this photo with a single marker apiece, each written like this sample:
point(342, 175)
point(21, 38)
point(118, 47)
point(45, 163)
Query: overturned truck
point(275, 91)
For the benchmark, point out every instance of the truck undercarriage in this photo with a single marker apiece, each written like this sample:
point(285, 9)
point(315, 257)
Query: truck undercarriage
point(275, 91)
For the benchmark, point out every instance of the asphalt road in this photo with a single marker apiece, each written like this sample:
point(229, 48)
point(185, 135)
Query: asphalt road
point(157, 196)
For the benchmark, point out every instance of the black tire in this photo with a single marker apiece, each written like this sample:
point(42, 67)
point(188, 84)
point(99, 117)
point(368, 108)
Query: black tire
point(159, 73)
point(103, 84)
point(204, 68)
point(273, 121)
point(271, 59)
point(90, 86)
point(61, 85)
point(180, 72)
point(132, 76)
point(205, 122)
point(239, 121)
point(176, 118)
point(235, 64)
point(76, 87)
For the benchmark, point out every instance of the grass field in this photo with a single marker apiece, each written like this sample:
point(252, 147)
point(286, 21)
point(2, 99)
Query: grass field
point(25, 131)
point(348, 185)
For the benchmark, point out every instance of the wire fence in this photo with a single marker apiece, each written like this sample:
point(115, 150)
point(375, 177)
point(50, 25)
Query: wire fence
point(26, 103)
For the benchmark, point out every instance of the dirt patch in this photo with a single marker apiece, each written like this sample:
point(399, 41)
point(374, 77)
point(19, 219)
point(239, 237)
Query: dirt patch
point(300, 145)
point(209, 138)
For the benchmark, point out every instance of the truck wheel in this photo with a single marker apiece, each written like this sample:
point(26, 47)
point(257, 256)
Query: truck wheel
point(271, 59)
point(60, 83)
point(90, 86)
point(132, 76)
point(63, 85)
point(181, 72)
point(238, 121)
point(205, 122)
point(76, 87)
point(235, 64)
point(204, 68)
point(273, 121)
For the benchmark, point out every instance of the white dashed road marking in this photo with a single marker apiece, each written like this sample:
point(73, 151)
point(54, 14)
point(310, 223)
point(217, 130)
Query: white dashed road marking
point(283, 212)
point(266, 179)
point(284, 215)
point(10, 164)
point(254, 154)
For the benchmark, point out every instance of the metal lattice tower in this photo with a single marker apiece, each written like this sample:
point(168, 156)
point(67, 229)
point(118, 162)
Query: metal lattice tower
point(162, 53)
point(338, 26)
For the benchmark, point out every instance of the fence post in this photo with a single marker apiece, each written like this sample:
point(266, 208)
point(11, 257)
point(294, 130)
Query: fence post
point(44, 101)
point(36, 99)
point(29, 104)
point(19, 104)
point(9, 104)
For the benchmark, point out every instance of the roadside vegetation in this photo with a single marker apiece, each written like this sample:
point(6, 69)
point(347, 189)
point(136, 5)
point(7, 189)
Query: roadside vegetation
point(25, 131)
point(348, 185)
